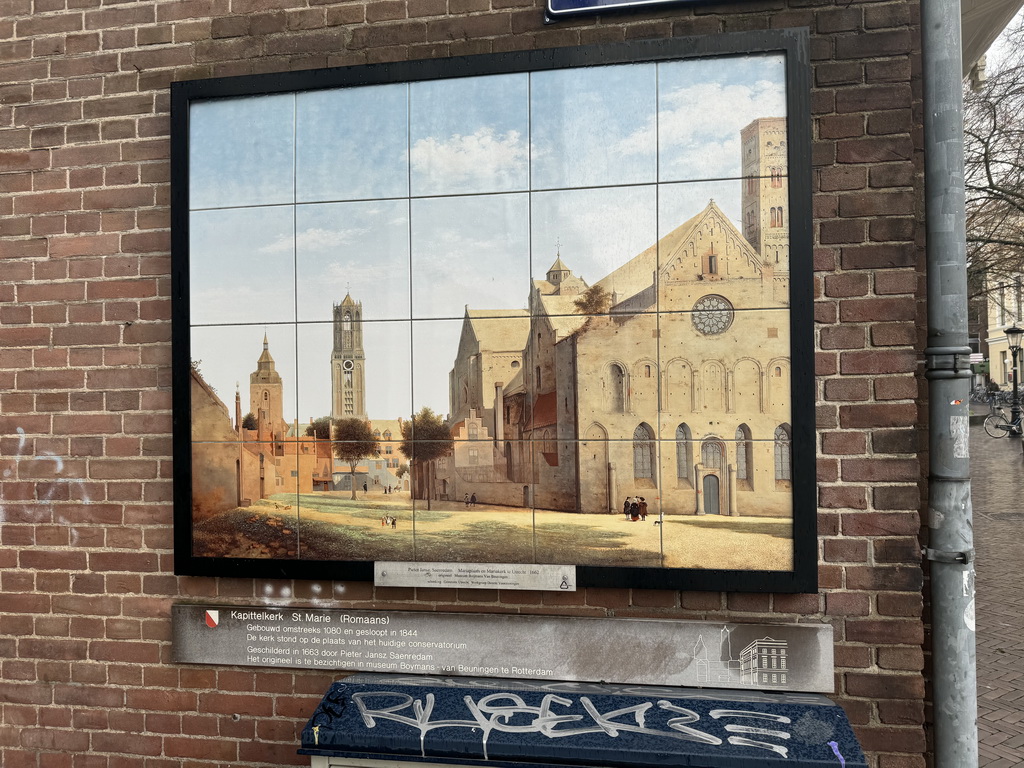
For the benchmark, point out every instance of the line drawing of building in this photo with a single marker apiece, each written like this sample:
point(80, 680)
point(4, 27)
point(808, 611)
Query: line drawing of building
point(763, 663)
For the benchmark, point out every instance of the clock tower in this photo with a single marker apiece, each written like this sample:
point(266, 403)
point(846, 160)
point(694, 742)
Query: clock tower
point(348, 363)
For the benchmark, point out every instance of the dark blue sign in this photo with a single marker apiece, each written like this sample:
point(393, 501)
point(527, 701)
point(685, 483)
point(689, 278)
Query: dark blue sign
point(559, 8)
point(508, 727)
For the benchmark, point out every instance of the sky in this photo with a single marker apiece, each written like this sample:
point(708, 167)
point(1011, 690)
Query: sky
point(424, 199)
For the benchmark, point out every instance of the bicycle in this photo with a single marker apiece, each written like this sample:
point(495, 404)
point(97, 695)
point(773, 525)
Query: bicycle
point(997, 425)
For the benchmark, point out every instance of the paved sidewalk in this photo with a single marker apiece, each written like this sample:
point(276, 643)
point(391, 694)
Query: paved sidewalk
point(997, 488)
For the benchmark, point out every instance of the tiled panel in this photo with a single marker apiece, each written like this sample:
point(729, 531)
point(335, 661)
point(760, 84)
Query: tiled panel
point(704, 105)
point(611, 380)
point(458, 366)
point(723, 368)
point(352, 143)
point(718, 237)
point(724, 507)
point(243, 500)
point(257, 362)
point(590, 237)
point(583, 493)
point(469, 135)
point(356, 249)
point(593, 126)
point(382, 362)
point(470, 253)
point(241, 151)
point(242, 266)
point(374, 523)
point(478, 511)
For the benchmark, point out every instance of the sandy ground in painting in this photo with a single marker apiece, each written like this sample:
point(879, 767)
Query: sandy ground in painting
point(330, 526)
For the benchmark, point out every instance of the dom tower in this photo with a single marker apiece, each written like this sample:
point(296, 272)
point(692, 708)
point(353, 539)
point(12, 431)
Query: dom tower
point(348, 363)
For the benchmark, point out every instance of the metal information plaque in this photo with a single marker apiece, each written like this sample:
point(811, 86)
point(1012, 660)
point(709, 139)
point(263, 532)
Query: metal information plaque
point(551, 578)
point(794, 657)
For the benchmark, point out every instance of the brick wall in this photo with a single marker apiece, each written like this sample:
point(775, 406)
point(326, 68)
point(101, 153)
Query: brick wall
point(86, 580)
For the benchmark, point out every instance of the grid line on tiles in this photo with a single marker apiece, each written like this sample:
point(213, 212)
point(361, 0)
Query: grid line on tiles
point(295, 255)
point(526, 190)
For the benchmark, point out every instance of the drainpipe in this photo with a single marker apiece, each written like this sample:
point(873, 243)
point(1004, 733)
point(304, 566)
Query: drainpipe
point(950, 550)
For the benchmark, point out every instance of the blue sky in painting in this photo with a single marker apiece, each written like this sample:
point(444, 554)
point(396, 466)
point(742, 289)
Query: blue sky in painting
point(362, 247)
point(236, 277)
point(240, 151)
point(334, 159)
point(469, 135)
point(584, 126)
point(469, 250)
point(703, 105)
point(463, 144)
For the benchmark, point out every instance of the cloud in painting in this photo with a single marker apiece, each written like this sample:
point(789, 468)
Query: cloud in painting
point(704, 143)
point(484, 160)
point(315, 238)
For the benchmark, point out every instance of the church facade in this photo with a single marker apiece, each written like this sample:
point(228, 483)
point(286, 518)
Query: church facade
point(679, 392)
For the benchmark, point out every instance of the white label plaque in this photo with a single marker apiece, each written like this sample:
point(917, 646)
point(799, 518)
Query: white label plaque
point(554, 578)
point(633, 651)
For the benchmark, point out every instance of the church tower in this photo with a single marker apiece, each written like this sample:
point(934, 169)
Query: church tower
point(766, 190)
point(266, 394)
point(348, 363)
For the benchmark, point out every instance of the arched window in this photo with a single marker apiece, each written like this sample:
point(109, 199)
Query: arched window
point(711, 454)
point(684, 454)
point(744, 458)
point(647, 371)
point(346, 322)
point(474, 431)
point(537, 375)
point(617, 385)
point(266, 396)
point(643, 453)
point(778, 217)
point(783, 455)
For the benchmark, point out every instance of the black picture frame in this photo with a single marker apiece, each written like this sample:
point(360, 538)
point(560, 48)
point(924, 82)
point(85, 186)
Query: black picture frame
point(792, 45)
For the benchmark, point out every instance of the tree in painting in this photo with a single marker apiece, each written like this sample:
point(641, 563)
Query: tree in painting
point(354, 440)
point(320, 428)
point(425, 437)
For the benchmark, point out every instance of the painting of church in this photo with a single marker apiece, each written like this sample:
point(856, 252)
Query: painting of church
point(678, 392)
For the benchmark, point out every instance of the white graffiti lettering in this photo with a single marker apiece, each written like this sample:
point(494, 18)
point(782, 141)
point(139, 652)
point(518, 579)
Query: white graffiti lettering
point(508, 712)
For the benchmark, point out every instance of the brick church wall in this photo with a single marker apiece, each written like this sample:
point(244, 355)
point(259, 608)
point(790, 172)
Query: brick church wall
point(86, 579)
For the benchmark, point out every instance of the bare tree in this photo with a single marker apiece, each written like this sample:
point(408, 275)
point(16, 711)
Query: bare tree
point(994, 174)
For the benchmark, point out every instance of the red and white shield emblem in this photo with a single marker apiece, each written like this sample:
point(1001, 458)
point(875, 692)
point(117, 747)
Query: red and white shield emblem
point(212, 618)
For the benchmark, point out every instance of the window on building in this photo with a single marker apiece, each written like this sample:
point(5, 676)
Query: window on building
point(711, 454)
point(643, 452)
point(684, 455)
point(474, 431)
point(783, 455)
point(474, 456)
point(617, 388)
point(387, 450)
point(744, 457)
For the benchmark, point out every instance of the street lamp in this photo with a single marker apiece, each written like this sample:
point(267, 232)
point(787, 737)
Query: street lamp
point(1014, 335)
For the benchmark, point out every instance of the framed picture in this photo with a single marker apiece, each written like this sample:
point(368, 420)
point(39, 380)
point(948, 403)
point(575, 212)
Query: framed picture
point(548, 307)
